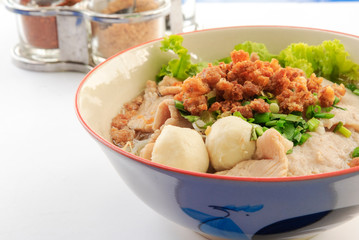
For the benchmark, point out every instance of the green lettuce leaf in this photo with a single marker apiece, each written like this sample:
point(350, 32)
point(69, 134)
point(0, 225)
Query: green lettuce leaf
point(181, 67)
point(328, 59)
point(259, 48)
point(299, 55)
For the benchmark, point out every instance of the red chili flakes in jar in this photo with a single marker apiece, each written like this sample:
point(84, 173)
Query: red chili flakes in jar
point(41, 32)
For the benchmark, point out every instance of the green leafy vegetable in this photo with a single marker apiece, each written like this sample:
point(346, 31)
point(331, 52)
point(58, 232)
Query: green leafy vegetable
point(278, 116)
point(304, 138)
point(262, 117)
point(271, 123)
point(293, 118)
point(328, 59)
point(224, 60)
point(355, 152)
point(291, 126)
point(298, 55)
point(184, 113)
point(181, 67)
point(288, 130)
point(259, 48)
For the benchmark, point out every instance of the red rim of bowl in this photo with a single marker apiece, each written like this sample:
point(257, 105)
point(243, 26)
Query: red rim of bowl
point(208, 175)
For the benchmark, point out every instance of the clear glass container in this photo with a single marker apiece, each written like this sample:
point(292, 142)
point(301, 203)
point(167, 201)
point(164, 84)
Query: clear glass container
point(189, 15)
point(115, 28)
point(75, 35)
point(38, 33)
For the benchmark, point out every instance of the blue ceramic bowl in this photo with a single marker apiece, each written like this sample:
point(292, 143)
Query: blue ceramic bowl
point(219, 207)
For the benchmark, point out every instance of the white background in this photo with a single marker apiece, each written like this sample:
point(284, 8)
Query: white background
point(55, 182)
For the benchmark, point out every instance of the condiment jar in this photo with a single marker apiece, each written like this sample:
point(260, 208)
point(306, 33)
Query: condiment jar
point(76, 35)
point(53, 35)
point(119, 24)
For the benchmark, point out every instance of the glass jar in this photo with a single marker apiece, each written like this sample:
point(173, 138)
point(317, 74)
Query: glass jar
point(189, 15)
point(53, 35)
point(38, 32)
point(118, 25)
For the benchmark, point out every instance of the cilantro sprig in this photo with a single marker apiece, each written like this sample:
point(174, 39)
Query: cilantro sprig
point(291, 126)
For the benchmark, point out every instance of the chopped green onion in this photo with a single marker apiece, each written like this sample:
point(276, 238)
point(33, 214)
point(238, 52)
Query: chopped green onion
point(324, 115)
point(211, 94)
point(310, 112)
point(355, 152)
point(313, 124)
point(278, 116)
point(328, 109)
point(253, 134)
point(271, 123)
point(217, 113)
point(224, 114)
point(179, 106)
point(343, 130)
point(259, 131)
point(297, 113)
point(297, 136)
point(245, 103)
point(293, 118)
point(274, 107)
point(262, 117)
point(211, 98)
point(238, 114)
point(280, 123)
point(336, 100)
point(190, 118)
point(269, 95)
point(341, 108)
point(288, 130)
point(304, 138)
point(290, 151)
point(317, 109)
point(339, 125)
point(210, 101)
point(207, 117)
point(250, 120)
point(264, 98)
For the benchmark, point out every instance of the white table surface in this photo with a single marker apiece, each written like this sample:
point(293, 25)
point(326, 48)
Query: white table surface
point(55, 182)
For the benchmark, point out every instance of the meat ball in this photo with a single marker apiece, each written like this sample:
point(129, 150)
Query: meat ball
point(181, 148)
point(228, 142)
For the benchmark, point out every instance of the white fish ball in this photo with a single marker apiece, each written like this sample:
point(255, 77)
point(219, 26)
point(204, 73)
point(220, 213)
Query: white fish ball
point(228, 142)
point(181, 148)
